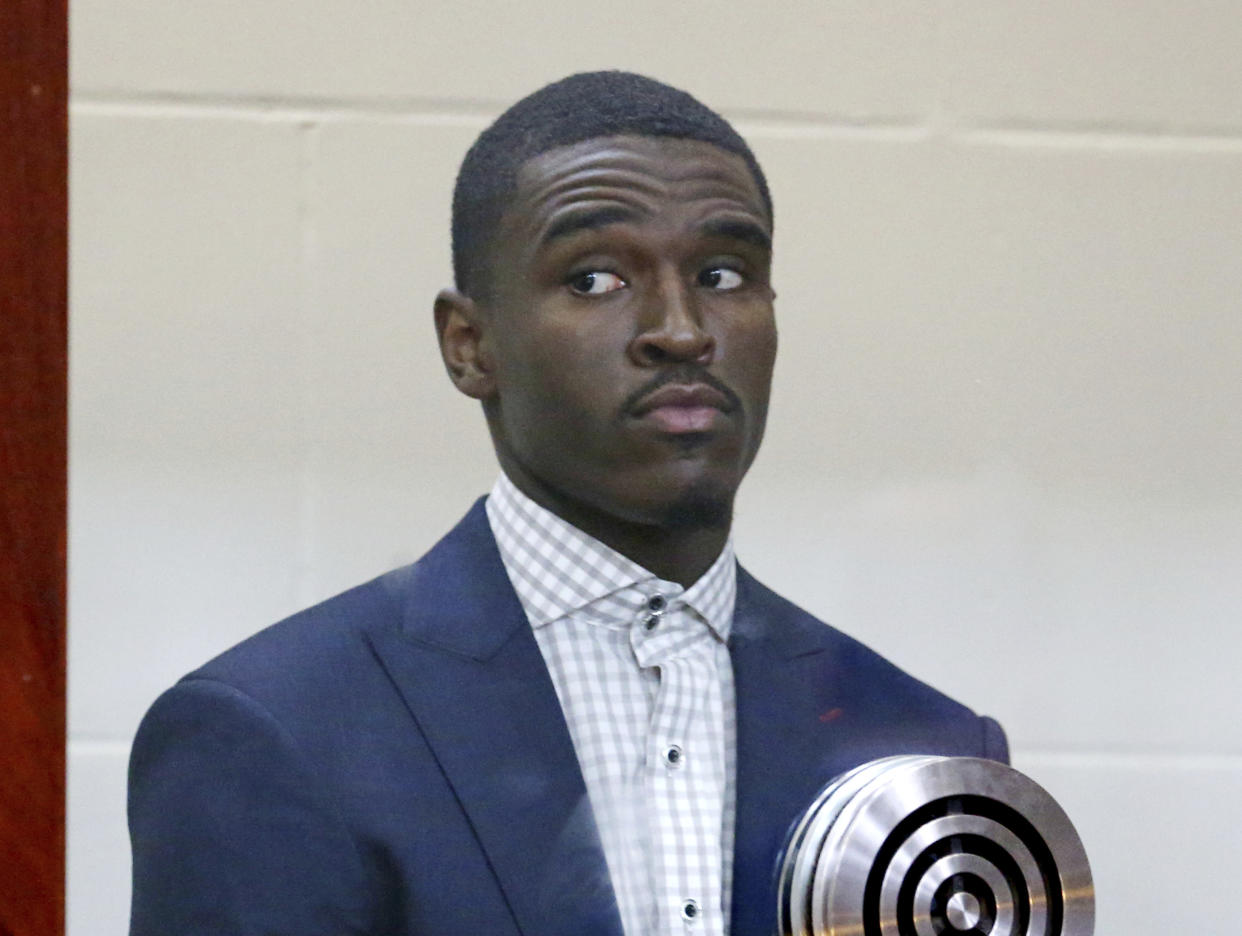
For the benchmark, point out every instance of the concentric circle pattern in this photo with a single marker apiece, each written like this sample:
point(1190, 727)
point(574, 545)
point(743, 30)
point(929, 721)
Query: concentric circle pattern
point(935, 846)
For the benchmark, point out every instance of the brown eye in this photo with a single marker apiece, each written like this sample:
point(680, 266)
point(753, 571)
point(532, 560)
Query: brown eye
point(721, 278)
point(595, 283)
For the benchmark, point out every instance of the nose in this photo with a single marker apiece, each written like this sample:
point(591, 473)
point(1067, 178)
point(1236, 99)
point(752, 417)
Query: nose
point(671, 330)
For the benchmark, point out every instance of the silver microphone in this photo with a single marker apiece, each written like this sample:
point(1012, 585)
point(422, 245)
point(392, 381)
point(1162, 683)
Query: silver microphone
point(934, 846)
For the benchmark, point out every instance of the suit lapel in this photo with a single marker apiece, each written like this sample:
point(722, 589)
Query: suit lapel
point(784, 718)
point(472, 676)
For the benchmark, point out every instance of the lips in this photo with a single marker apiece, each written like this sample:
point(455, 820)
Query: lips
point(680, 408)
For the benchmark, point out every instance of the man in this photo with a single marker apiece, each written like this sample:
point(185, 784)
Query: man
point(576, 714)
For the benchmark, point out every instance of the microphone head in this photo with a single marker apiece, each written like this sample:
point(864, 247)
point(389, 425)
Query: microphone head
point(934, 846)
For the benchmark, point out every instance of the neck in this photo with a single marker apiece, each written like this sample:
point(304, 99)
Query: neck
point(679, 550)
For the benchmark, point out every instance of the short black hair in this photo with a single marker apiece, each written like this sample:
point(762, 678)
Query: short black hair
point(581, 107)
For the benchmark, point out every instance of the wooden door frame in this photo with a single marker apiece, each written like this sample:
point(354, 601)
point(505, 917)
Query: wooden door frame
point(33, 447)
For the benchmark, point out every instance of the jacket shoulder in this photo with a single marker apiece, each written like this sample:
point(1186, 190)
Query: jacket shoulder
point(328, 643)
point(316, 642)
point(866, 677)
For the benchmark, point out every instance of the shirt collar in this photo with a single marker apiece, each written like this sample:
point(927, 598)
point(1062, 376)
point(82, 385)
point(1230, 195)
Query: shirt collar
point(556, 569)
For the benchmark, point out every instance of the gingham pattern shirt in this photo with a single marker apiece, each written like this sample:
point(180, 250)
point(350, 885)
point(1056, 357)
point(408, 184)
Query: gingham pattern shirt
point(643, 675)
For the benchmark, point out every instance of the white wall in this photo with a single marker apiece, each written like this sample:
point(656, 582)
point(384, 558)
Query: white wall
point(1004, 446)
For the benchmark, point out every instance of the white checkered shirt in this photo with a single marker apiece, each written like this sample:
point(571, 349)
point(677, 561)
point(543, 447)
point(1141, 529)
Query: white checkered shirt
point(643, 676)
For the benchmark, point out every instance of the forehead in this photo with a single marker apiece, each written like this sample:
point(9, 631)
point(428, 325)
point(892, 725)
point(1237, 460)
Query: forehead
point(645, 174)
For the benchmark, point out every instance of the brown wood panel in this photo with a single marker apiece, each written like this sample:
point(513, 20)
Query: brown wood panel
point(33, 130)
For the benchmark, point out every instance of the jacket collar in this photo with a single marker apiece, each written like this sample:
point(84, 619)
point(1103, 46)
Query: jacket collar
point(472, 676)
point(784, 708)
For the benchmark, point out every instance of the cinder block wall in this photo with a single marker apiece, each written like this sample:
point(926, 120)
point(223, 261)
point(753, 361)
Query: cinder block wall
point(1004, 446)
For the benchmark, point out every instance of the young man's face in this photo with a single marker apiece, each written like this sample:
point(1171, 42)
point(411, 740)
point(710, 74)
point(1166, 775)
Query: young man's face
point(630, 329)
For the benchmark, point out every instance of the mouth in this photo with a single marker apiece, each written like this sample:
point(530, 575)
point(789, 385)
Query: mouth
point(680, 408)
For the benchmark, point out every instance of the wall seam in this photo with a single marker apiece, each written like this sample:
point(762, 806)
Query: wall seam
point(309, 292)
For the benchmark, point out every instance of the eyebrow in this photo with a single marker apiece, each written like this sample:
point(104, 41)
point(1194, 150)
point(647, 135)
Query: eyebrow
point(749, 231)
point(586, 221)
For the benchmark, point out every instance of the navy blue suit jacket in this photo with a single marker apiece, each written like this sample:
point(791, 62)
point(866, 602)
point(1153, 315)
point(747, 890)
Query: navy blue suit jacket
point(395, 761)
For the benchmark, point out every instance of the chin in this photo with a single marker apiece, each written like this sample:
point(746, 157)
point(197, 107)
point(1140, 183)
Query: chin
point(700, 506)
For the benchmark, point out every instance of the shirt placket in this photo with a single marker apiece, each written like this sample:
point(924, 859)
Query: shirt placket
point(685, 791)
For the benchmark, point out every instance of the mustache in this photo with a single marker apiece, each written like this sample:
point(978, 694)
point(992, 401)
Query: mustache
point(684, 374)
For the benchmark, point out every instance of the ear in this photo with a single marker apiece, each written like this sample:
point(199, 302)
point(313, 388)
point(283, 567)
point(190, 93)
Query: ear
point(464, 344)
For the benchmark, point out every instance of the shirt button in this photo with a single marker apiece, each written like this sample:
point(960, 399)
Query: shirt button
point(690, 911)
point(652, 621)
point(656, 603)
point(673, 756)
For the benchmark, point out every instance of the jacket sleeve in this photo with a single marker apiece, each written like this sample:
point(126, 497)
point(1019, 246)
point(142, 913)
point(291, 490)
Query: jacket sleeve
point(995, 744)
point(232, 831)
